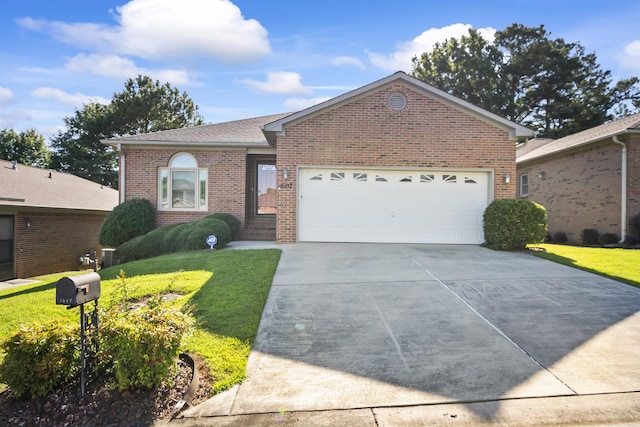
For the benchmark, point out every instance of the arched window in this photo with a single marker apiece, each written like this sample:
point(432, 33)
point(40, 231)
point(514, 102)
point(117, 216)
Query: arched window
point(182, 185)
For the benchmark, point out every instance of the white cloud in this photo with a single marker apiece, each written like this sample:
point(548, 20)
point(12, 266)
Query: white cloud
point(297, 104)
point(6, 96)
point(630, 57)
point(161, 29)
point(347, 60)
point(9, 119)
point(75, 99)
point(31, 24)
point(282, 82)
point(121, 68)
point(400, 60)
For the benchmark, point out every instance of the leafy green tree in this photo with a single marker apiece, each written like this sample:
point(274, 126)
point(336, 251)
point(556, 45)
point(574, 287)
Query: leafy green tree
point(147, 106)
point(78, 149)
point(26, 147)
point(528, 77)
point(467, 69)
point(143, 106)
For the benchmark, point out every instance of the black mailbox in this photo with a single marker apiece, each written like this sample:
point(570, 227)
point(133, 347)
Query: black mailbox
point(78, 290)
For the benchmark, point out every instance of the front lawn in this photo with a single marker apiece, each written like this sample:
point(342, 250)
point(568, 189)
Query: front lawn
point(225, 290)
point(619, 264)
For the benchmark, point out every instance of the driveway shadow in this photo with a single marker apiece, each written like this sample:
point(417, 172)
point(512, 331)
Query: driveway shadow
point(349, 326)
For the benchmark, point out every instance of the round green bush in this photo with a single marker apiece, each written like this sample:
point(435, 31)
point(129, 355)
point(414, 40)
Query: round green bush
point(195, 236)
point(590, 237)
point(608, 239)
point(170, 242)
point(512, 224)
point(232, 222)
point(130, 219)
point(633, 236)
point(141, 247)
point(41, 357)
point(139, 347)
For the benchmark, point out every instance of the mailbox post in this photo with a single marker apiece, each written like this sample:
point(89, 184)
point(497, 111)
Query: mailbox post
point(77, 291)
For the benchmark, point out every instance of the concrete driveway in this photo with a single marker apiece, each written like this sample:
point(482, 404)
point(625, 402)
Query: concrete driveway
point(393, 334)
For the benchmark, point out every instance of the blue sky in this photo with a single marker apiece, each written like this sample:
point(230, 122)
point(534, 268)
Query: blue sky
point(247, 58)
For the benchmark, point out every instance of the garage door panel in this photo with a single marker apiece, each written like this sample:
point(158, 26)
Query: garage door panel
point(391, 206)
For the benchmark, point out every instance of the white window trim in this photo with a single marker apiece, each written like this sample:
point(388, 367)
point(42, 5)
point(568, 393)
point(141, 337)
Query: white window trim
point(200, 207)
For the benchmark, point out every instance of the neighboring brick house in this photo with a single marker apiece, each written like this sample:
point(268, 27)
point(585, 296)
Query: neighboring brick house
point(393, 161)
point(48, 220)
point(588, 180)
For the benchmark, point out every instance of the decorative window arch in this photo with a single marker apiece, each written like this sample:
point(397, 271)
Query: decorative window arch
point(182, 185)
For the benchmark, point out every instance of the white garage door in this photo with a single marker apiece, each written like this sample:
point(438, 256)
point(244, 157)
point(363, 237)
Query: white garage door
point(339, 205)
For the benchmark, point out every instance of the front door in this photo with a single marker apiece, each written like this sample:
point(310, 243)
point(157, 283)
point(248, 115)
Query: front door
point(261, 196)
point(6, 247)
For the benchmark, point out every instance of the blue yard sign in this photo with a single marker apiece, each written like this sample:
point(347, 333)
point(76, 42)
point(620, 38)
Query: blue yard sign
point(211, 241)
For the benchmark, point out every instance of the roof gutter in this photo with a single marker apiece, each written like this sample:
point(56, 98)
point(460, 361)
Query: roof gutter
point(623, 191)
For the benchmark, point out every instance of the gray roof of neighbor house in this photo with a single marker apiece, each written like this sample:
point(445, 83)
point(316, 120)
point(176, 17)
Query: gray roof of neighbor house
point(629, 124)
point(515, 130)
point(242, 133)
point(28, 186)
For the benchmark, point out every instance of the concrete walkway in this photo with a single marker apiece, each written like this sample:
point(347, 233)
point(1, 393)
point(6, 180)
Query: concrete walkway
point(382, 335)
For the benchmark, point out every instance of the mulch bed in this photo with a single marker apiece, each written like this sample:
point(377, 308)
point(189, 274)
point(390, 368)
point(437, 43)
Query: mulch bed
point(104, 406)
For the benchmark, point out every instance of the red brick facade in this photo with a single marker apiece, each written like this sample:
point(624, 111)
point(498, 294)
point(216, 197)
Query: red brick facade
point(54, 242)
point(358, 129)
point(366, 132)
point(581, 188)
point(226, 180)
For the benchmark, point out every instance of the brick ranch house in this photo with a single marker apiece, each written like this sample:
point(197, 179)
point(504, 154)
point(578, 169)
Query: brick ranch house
point(393, 161)
point(48, 220)
point(588, 180)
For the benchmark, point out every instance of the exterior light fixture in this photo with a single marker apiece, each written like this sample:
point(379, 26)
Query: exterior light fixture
point(285, 173)
point(541, 174)
point(28, 222)
point(507, 178)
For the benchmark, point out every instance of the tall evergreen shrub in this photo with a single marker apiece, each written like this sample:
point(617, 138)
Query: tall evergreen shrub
point(511, 224)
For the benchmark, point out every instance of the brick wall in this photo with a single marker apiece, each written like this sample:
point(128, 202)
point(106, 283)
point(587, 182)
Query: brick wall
point(226, 180)
point(580, 189)
point(367, 133)
point(54, 242)
point(633, 174)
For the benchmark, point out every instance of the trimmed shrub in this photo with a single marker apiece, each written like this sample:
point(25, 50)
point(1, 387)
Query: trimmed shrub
point(634, 229)
point(141, 247)
point(608, 239)
point(590, 237)
point(511, 224)
point(39, 358)
point(170, 242)
point(132, 218)
point(140, 347)
point(232, 222)
point(194, 236)
point(560, 237)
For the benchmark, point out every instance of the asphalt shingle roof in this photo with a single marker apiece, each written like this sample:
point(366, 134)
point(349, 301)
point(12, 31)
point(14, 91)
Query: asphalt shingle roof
point(607, 130)
point(246, 132)
point(28, 186)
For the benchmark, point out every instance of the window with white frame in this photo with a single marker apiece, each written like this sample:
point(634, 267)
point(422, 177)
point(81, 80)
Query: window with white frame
point(182, 185)
point(524, 185)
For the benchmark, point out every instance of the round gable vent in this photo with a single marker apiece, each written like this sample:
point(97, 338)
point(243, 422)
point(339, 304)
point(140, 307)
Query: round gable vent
point(397, 101)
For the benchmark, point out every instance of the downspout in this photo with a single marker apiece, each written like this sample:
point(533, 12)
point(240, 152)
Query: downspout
point(623, 191)
point(121, 184)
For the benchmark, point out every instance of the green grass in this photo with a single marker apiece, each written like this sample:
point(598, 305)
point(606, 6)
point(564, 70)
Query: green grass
point(619, 264)
point(225, 290)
